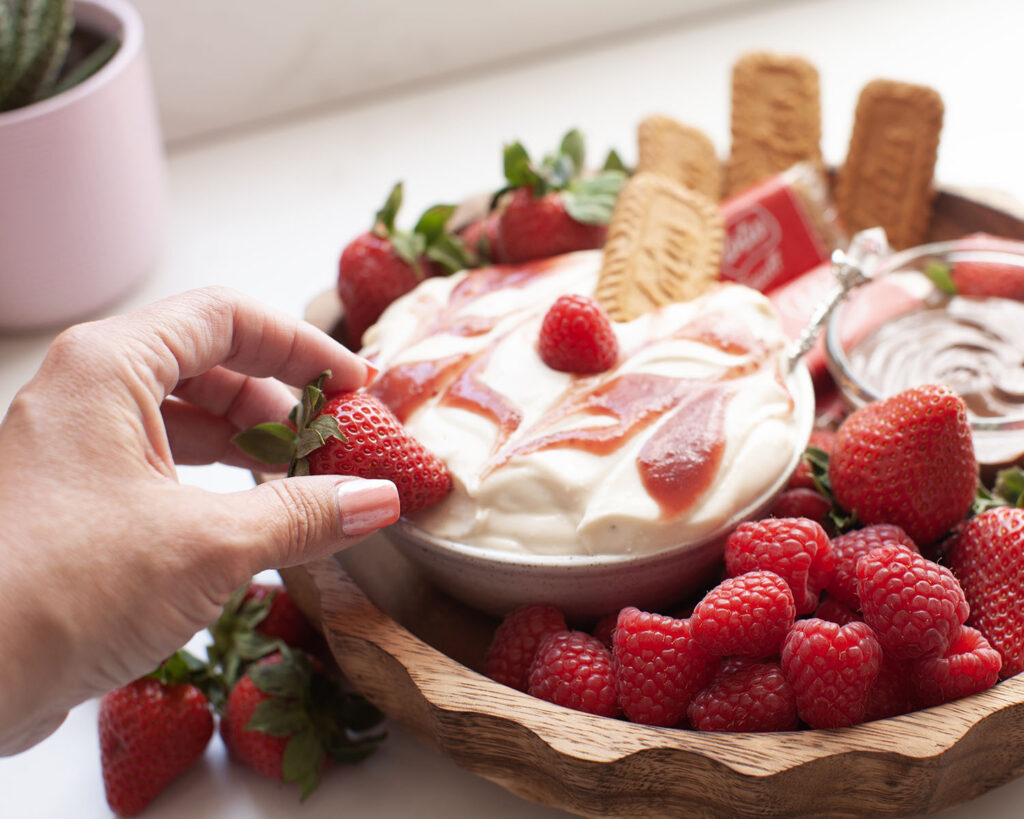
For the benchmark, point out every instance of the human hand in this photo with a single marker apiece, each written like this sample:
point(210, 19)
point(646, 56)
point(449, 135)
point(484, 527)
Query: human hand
point(108, 563)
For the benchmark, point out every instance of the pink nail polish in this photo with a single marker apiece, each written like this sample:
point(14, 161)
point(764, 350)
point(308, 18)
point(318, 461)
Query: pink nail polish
point(371, 372)
point(366, 506)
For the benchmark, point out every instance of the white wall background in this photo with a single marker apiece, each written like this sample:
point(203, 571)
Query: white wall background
point(218, 64)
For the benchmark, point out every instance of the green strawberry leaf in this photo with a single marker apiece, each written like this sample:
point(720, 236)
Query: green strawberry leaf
point(279, 717)
point(384, 219)
point(320, 430)
point(817, 461)
point(269, 443)
point(303, 758)
point(410, 246)
point(251, 645)
point(432, 222)
point(450, 253)
point(939, 273)
point(359, 714)
point(572, 147)
point(1010, 485)
point(592, 200)
point(288, 678)
point(519, 170)
point(613, 162)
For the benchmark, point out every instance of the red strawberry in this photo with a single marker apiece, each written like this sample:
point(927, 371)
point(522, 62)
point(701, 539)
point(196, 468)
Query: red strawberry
point(832, 669)
point(915, 606)
point(481, 237)
point(576, 336)
point(151, 731)
point(532, 227)
point(285, 701)
point(988, 559)
point(553, 208)
point(371, 275)
point(968, 665)
point(376, 445)
point(282, 619)
point(573, 669)
point(1004, 281)
point(748, 615)
point(796, 549)
point(753, 698)
point(659, 667)
point(377, 267)
point(851, 547)
point(907, 460)
point(516, 640)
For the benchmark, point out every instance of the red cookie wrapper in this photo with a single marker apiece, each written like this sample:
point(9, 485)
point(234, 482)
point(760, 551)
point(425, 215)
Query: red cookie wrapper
point(778, 229)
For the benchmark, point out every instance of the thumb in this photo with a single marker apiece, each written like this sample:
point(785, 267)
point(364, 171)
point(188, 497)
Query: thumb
point(288, 521)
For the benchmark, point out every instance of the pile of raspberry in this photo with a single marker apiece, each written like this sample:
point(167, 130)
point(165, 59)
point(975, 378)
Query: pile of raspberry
point(804, 630)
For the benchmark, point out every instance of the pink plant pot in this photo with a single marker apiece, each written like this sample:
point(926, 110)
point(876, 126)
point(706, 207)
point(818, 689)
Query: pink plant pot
point(82, 186)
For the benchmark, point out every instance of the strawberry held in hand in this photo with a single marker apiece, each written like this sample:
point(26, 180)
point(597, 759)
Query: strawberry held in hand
point(379, 266)
point(151, 731)
point(353, 433)
point(552, 209)
point(907, 460)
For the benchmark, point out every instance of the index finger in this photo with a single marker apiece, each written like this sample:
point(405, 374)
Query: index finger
point(190, 333)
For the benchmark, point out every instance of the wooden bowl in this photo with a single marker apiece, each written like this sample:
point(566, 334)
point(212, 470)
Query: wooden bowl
point(416, 654)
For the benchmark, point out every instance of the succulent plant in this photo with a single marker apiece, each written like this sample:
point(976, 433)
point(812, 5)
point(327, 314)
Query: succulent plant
point(38, 57)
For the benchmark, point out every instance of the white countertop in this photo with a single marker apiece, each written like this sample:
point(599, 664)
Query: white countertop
point(267, 212)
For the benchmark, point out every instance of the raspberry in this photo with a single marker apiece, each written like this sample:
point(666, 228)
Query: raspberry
point(913, 604)
point(835, 611)
point(893, 691)
point(577, 336)
point(755, 698)
point(969, 665)
point(849, 548)
point(747, 615)
point(516, 640)
point(796, 549)
point(802, 503)
point(658, 667)
point(832, 669)
point(604, 628)
point(573, 669)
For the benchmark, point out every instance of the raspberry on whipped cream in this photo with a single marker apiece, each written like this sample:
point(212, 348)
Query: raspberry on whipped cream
point(693, 424)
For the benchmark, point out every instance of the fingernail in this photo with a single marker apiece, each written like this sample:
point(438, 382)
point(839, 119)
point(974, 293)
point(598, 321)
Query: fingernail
point(371, 372)
point(366, 505)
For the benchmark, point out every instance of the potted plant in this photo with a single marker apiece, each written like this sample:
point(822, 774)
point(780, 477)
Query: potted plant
point(81, 159)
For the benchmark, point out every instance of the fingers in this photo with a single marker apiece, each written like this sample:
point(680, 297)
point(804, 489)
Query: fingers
point(200, 437)
point(201, 329)
point(242, 400)
point(293, 520)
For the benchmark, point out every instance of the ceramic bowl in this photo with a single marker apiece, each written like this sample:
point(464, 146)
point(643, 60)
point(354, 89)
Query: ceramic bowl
point(588, 586)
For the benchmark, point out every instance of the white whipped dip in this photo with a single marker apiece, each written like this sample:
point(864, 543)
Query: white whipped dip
point(694, 424)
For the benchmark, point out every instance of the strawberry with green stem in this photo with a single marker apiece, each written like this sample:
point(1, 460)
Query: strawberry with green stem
point(154, 729)
point(285, 719)
point(350, 433)
point(384, 263)
point(552, 208)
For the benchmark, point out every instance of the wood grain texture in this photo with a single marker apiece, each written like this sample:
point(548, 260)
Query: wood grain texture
point(918, 763)
point(416, 653)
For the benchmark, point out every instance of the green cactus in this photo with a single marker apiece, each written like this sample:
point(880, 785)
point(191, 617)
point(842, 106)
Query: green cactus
point(35, 39)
